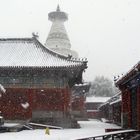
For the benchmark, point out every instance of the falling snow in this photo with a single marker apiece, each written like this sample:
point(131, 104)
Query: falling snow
point(25, 105)
point(2, 88)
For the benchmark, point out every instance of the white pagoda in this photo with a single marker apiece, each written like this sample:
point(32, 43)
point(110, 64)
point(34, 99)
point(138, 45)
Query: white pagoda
point(58, 40)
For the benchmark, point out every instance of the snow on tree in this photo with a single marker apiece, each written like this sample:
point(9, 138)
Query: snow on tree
point(102, 86)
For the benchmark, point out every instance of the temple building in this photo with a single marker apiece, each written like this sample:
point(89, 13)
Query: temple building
point(129, 85)
point(78, 100)
point(58, 39)
point(92, 105)
point(110, 111)
point(37, 80)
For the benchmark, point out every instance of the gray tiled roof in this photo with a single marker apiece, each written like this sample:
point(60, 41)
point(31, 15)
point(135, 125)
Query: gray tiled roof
point(29, 52)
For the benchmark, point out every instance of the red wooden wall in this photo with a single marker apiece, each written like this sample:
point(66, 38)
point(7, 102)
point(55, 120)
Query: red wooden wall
point(138, 107)
point(78, 103)
point(126, 106)
point(38, 99)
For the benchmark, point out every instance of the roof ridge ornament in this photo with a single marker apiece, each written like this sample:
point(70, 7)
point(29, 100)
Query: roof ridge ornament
point(35, 35)
point(58, 39)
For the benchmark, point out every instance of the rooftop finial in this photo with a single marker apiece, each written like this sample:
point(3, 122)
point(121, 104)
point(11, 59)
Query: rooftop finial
point(58, 8)
point(35, 35)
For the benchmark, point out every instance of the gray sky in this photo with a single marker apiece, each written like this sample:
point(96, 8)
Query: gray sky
point(107, 32)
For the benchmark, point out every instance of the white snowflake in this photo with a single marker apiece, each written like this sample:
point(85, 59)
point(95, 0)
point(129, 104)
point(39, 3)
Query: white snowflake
point(2, 88)
point(25, 105)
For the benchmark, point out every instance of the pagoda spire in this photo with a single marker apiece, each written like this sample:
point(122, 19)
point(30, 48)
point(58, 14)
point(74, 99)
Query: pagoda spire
point(58, 8)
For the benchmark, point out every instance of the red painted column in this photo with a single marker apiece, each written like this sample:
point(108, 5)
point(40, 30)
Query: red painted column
point(129, 109)
point(126, 108)
point(122, 106)
point(68, 99)
point(30, 98)
point(138, 107)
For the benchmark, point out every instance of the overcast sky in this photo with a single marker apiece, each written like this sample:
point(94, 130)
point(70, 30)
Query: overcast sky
point(107, 32)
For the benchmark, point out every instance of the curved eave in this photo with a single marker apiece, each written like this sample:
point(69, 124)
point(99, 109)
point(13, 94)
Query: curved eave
point(70, 63)
point(129, 75)
point(78, 60)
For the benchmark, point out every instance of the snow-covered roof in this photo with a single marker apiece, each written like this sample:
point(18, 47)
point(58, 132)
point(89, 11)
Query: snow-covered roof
point(93, 110)
point(83, 84)
point(96, 99)
point(29, 52)
point(113, 100)
point(116, 101)
point(133, 71)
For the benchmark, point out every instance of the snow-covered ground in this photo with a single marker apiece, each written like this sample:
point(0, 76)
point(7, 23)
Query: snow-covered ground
point(88, 128)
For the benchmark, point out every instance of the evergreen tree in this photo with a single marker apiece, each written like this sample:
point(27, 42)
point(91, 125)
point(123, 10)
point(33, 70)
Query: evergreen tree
point(102, 86)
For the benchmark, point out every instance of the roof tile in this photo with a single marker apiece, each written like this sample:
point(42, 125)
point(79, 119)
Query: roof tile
point(29, 52)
